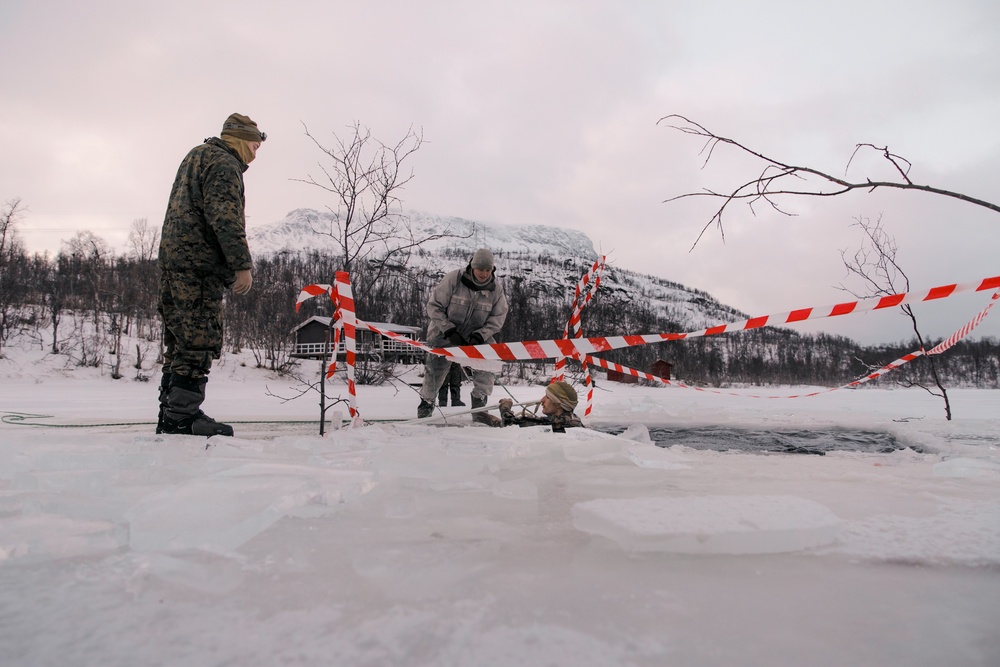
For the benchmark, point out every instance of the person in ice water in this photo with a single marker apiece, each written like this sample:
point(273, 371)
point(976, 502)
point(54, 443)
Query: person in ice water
point(557, 406)
point(203, 251)
point(468, 307)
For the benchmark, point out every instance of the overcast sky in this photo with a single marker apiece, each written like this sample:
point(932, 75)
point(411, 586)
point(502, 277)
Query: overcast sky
point(535, 112)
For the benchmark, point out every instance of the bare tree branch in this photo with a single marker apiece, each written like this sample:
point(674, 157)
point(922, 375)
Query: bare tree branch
point(770, 185)
point(11, 213)
point(143, 240)
point(875, 264)
point(365, 177)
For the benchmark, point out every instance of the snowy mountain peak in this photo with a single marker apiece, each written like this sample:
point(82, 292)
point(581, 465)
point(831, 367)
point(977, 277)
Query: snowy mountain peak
point(307, 229)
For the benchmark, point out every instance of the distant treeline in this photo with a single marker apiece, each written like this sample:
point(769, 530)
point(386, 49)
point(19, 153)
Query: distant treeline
point(98, 308)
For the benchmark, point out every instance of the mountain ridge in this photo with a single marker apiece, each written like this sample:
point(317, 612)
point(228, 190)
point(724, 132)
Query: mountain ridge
point(548, 259)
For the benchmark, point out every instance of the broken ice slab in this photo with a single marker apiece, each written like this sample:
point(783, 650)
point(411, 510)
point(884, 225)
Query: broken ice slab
point(709, 524)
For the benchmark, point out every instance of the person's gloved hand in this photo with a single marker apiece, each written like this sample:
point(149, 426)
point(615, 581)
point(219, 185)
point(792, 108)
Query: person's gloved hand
point(506, 405)
point(454, 337)
point(476, 338)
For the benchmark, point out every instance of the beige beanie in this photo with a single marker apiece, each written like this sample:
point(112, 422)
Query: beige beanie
point(562, 394)
point(241, 127)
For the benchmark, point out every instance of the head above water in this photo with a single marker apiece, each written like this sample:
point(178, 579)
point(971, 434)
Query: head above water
point(562, 395)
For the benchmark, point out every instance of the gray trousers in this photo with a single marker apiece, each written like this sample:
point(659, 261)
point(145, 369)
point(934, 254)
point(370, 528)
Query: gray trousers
point(436, 370)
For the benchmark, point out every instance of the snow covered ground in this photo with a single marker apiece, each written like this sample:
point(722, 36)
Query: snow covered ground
point(422, 545)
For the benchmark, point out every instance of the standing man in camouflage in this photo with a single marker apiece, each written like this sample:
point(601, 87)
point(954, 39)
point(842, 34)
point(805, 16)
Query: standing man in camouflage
point(203, 250)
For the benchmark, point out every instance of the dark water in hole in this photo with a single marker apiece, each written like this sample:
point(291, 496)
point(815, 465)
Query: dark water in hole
point(786, 441)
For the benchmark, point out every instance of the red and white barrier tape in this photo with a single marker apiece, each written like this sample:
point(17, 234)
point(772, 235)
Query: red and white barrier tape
point(583, 348)
point(861, 305)
point(310, 291)
point(893, 365)
point(346, 299)
point(964, 331)
point(579, 347)
point(573, 327)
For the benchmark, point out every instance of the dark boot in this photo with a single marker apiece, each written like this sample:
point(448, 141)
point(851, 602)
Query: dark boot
point(164, 387)
point(484, 417)
point(425, 409)
point(443, 396)
point(182, 414)
point(456, 396)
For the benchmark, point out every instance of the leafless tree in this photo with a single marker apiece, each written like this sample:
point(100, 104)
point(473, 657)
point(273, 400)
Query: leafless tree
point(779, 180)
point(13, 270)
point(143, 247)
point(10, 215)
point(874, 262)
point(143, 240)
point(366, 177)
point(90, 283)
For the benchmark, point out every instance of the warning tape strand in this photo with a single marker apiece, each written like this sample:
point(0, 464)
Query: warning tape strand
point(574, 327)
point(891, 366)
point(583, 349)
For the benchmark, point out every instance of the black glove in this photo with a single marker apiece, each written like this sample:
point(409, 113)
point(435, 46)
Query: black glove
point(476, 338)
point(453, 337)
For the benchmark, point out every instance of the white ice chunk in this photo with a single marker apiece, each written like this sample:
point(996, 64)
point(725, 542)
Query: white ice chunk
point(636, 433)
point(709, 524)
point(967, 468)
point(651, 456)
point(222, 511)
point(48, 536)
point(531, 451)
point(516, 489)
point(591, 451)
point(215, 576)
point(965, 532)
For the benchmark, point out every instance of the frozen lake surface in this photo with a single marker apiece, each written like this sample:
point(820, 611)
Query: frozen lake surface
point(410, 545)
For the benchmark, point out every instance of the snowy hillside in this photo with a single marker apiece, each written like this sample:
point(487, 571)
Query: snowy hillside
point(550, 259)
point(306, 229)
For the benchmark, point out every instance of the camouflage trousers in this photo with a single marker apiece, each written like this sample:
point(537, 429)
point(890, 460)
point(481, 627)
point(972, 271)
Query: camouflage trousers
point(191, 309)
point(436, 370)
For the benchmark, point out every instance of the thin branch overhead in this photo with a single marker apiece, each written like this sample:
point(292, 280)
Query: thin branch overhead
point(779, 180)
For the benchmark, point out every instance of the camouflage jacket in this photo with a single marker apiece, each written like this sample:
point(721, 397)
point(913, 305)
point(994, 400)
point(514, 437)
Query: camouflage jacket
point(204, 230)
point(558, 423)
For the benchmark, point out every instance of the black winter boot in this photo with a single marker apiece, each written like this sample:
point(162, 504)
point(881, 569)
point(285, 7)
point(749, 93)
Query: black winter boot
point(484, 417)
point(183, 415)
point(425, 409)
point(456, 396)
point(164, 387)
point(443, 396)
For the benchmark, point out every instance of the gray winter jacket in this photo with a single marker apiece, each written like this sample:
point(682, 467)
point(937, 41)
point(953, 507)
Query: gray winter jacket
point(457, 302)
